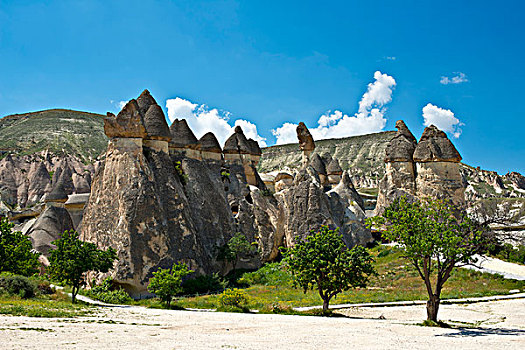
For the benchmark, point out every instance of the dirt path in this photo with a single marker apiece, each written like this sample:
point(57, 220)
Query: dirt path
point(496, 325)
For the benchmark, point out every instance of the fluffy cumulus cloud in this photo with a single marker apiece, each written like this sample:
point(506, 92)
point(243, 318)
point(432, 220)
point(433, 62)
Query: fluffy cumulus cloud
point(333, 124)
point(458, 78)
point(444, 119)
point(201, 119)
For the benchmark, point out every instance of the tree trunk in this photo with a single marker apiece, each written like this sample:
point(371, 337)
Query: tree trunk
point(73, 295)
point(326, 302)
point(433, 307)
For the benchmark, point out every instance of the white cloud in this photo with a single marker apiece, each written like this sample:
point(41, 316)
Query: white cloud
point(118, 104)
point(334, 124)
point(391, 58)
point(442, 118)
point(456, 79)
point(201, 120)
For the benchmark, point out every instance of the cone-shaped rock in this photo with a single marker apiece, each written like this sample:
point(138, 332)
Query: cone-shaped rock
point(401, 148)
point(128, 123)
point(155, 122)
point(237, 143)
point(209, 143)
point(318, 164)
point(333, 168)
point(254, 147)
point(306, 141)
point(181, 134)
point(434, 146)
point(145, 100)
point(57, 194)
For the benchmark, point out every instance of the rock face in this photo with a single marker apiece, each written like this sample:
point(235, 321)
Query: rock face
point(400, 173)
point(49, 227)
point(157, 208)
point(437, 167)
point(429, 168)
point(306, 141)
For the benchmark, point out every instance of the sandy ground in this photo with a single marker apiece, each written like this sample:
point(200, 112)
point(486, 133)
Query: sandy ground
point(492, 325)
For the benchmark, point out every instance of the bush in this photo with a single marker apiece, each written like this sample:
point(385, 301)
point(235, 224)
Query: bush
point(203, 284)
point(271, 274)
point(106, 293)
point(17, 285)
point(43, 286)
point(234, 298)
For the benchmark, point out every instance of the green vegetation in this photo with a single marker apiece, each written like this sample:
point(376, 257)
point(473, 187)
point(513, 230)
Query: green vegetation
point(233, 300)
point(34, 297)
point(508, 252)
point(270, 288)
point(106, 293)
point(236, 248)
point(58, 130)
point(435, 239)
point(180, 172)
point(73, 258)
point(322, 262)
point(16, 254)
point(166, 283)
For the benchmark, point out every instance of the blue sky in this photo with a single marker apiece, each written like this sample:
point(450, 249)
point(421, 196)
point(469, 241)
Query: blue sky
point(274, 62)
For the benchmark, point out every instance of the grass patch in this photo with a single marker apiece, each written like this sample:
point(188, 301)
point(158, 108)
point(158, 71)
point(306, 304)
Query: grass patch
point(56, 305)
point(271, 287)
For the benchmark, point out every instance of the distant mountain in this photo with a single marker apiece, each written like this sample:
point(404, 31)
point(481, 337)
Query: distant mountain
point(60, 131)
point(362, 155)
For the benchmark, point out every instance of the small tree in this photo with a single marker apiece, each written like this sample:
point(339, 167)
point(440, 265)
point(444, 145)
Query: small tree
point(435, 238)
point(236, 248)
point(16, 255)
point(323, 261)
point(72, 258)
point(166, 283)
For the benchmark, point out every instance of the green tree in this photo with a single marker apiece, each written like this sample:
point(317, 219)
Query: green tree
point(16, 255)
point(236, 248)
point(435, 238)
point(322, 261)
point(166, 283)
point(73, 258)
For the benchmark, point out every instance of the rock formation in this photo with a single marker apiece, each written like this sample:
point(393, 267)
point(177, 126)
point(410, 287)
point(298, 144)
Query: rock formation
point(429, 168)
point(400, 174)
point(183, 140)
point(438, 167)
point(306, 142)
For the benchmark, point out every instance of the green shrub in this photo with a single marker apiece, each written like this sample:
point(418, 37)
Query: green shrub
point(235, 298)
point(106, 293)
point(271, 274)
point(17, 285)
point(203, 284)
point(43, 286)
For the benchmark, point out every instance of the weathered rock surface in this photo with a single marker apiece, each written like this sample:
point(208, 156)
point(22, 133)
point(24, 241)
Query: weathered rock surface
point(434, 146)
point(49, 227)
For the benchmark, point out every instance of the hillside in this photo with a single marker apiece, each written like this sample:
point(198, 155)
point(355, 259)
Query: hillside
point(363, 155)
point(60, 131)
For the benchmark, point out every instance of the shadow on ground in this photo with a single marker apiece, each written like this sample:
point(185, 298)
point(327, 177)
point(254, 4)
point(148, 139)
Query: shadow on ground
point(480, 332)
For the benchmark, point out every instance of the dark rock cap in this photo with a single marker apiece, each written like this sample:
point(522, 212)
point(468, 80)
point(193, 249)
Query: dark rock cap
point(155, 122)
point(318, 164)
point(306, 141)
point(57, 194)
point(237, 143)
point(209, 143)
point(254, 147)
point(333, 168)
point(128, 123)
point(434, 146)
point(401, 148)
point(181, 135)
point(145, 100)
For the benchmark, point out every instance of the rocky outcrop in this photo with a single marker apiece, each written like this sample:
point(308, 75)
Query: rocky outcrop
point(306, 141)
point(49, 227)
point(400, 173)
point(429, 168)
point(438, 167)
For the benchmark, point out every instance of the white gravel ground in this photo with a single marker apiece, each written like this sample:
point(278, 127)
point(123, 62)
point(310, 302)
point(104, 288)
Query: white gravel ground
point(493, 325)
